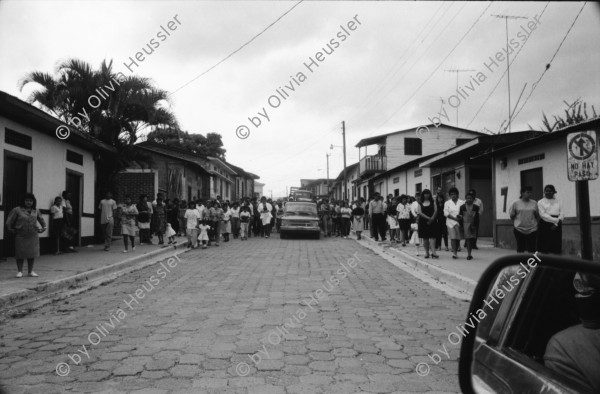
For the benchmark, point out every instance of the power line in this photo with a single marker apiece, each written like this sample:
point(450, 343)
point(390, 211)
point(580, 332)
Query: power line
point(237, 50)
point(534, 86)
point(390, 75)
point(503, 74)
point(438, 66)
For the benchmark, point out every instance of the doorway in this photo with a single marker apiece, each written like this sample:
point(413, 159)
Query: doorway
point(74, 186)
point(17, 182)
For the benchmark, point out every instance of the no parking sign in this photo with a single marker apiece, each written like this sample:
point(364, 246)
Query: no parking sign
point(582, 156)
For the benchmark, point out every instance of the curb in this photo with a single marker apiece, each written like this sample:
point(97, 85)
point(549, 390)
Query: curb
point(74, 281)
point(462, 283)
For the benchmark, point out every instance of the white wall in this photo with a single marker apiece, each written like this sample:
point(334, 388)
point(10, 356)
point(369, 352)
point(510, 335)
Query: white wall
point(554, 172)
point(438, 139)
point(49, 164)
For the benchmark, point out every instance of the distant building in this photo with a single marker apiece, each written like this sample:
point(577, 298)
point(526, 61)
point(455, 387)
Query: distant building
point(258, 189)
point(318, 187)
point(400, 147)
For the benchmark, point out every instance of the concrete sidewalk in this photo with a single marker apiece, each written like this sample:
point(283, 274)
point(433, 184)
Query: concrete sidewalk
point(70, 270)
point(461, 273)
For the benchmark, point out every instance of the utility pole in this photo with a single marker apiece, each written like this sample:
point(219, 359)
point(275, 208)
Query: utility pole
point(344, 137)
point(506, 18)
point(457, 70)
point(327, 157)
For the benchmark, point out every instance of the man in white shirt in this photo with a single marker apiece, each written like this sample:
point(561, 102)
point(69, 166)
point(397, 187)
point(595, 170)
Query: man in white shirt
point(107, 208)
point(200, 208)
point(265, 216)
point(415, 205)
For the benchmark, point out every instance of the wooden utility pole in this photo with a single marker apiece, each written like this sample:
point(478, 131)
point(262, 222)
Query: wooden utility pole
point(327, 157)
point(506, 18)
point(344, 197)
point(457, 70)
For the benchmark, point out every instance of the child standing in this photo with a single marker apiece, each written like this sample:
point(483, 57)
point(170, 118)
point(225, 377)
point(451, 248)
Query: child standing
point(414, 239)
point(191, 217)
point(245, 216)
point(203, 237)
point(170, 234)
point(56, 223)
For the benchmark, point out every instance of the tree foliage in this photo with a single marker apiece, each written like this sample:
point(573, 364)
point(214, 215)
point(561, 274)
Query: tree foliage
point(209, 145)
point(574, 114)
point(129, 106)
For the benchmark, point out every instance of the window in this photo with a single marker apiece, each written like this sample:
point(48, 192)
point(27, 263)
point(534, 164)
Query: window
point(413, 146)
point(396, 192)
point(460, 141)
point(418, 172)
point(396, 180)
point(17, 139)
point(535, 179)
point(418, 187)
point(74, 157)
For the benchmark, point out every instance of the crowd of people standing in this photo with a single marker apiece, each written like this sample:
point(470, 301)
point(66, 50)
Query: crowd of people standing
point(424, 219)
point(203, 222)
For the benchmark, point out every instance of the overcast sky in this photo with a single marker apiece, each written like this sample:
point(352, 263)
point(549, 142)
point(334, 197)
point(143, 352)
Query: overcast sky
point(388, 74)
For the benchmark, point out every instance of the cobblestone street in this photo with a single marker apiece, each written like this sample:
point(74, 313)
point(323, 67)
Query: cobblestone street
point(263, 316)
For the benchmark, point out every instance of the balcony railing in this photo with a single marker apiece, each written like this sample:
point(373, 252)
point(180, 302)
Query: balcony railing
point(372, 164)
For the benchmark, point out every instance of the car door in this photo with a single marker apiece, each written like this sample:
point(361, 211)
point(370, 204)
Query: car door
point(511, 341)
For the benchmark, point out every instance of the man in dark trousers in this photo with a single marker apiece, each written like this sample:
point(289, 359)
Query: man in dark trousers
point(377, 213)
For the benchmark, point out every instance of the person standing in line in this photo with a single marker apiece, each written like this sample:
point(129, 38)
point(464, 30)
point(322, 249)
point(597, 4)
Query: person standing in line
point(192, 216)
point(550, 225)
point(524, 213)
point(159, 221)
point(392, 220)
point(469, 212)
point(264, 208)
point(144, 214)
point(326, 218)
point(128, 227)
point(479, 203)
point(22, 222)
point(68, 218)
point(245, 217)
point(181, 218)
point(453, 220)
point(235, 220)
point(56, 223)
point(358, 215)
point(378, 212)
point(403, 214)
point(345, 214)
point(203, 228)
point(442, 233)
point(218, 221)
point(226, 222)
point(107, 208)
point(427, 212)
point(256, 222)
point(173, 216)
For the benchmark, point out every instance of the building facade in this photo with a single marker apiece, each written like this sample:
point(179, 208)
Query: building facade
point(36, 161)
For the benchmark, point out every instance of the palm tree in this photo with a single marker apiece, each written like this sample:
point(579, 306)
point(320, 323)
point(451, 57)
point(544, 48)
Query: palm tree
point(129, 106)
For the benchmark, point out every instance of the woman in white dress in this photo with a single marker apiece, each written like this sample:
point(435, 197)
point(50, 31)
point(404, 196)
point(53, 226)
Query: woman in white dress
point(453, 220)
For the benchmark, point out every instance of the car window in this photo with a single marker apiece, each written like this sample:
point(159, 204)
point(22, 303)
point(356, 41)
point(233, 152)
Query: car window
point(498, 302)
point(300, 208)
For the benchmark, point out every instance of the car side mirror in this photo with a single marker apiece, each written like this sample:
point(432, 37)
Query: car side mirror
point(533, 326)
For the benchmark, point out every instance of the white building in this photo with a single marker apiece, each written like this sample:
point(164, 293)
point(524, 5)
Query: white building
point(537, 162)
point(35, 160)
point(400, 147)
